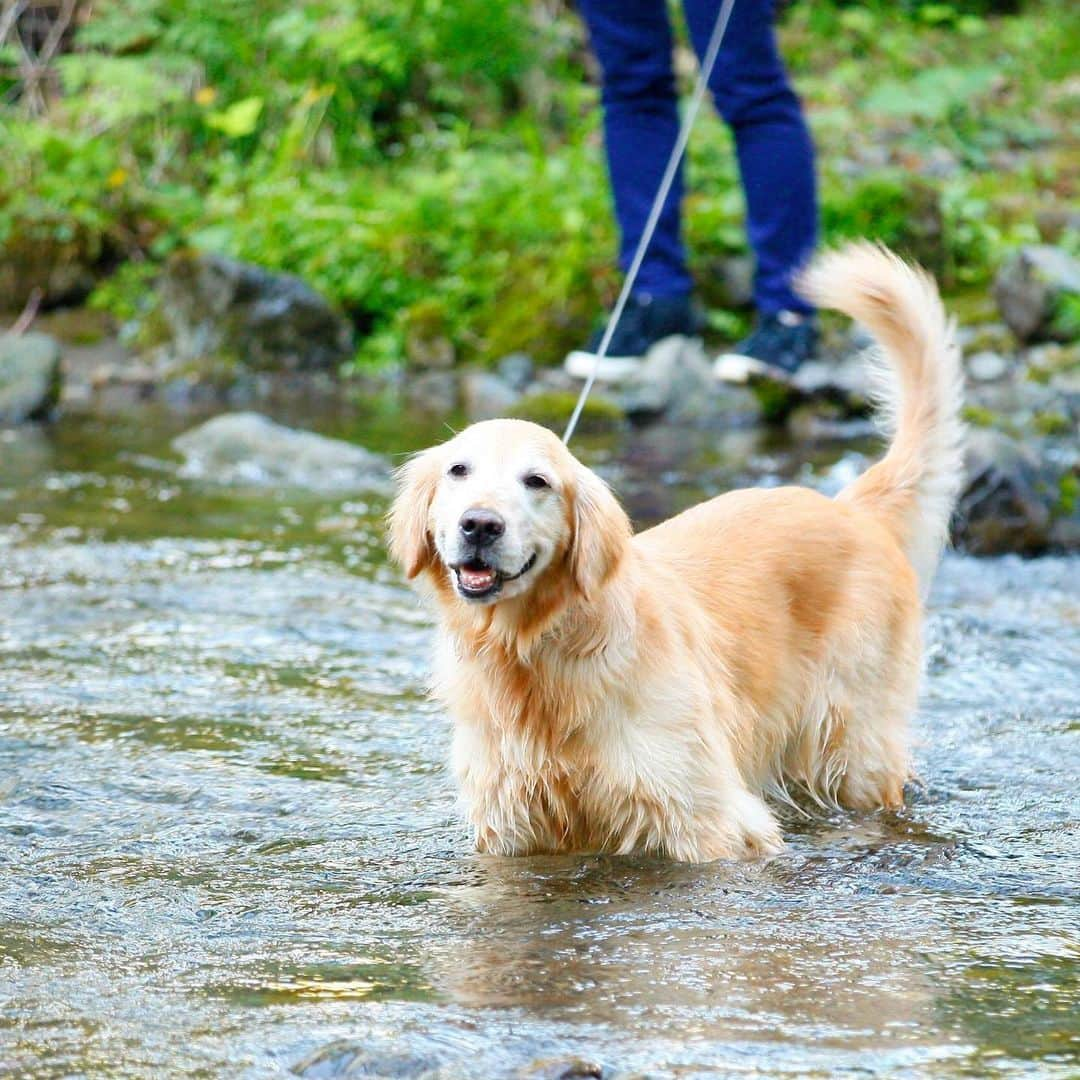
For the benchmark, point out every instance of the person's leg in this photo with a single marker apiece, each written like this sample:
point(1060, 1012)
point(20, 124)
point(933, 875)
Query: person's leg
point(776, 157)
point(632, 41)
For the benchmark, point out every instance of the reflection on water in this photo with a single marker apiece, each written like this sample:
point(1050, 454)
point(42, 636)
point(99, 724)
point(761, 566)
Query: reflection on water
point(229, 846)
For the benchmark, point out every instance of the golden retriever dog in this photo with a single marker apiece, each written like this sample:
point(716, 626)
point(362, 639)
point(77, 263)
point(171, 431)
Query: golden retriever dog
point(628, 693)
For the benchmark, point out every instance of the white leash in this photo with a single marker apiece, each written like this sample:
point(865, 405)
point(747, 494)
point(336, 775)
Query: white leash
point(707, 65)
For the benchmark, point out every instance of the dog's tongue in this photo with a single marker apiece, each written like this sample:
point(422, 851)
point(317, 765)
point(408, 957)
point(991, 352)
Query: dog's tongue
point(477, 579)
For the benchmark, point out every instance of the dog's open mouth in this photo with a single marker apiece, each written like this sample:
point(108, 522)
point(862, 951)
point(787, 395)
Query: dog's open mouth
point(477, 580)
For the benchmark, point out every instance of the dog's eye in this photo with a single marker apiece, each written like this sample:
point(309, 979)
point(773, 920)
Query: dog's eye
point(535, 481)
point(459, 470)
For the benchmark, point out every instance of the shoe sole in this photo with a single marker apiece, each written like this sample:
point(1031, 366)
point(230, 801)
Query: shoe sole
point(741, 370)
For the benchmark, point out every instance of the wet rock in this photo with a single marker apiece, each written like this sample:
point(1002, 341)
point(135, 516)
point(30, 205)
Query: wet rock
point(986, 366)
point(349, 1058)
point(517, 370)
point(434, 393)
point(555, 380)
point(838, 388)
point(989, 337)
point(1016, 403)
point(1031, 288)
point(845, 383)
point(675, 381)
point(218, 309)
point(29, 377)
point(1001, 508)
point(1054, 365)
point(486, 395)
point(246, 448)
point(562, 1069)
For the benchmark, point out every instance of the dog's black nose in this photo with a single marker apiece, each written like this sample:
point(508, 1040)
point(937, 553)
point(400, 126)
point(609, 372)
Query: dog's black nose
point(481, 527)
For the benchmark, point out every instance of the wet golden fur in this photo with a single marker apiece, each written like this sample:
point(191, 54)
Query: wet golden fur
point(650, 692)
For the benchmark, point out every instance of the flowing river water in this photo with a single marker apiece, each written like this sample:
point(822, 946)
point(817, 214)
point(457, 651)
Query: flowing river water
point(229, 846)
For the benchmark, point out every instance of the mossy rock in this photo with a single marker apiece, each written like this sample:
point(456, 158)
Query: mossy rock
point(428, 343)
point(59, 261)
point(220, 312)
point(1038, 292)
point(553, 408)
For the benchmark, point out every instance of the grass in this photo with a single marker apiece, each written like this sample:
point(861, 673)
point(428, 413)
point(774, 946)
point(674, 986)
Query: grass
point(440, 173)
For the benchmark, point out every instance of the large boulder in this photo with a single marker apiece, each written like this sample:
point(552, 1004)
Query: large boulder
point(1033, 287)
point(29, 377)
point(218, 309)
point(246, 448)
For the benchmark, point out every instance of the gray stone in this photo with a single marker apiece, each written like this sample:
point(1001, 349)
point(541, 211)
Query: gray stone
point(987, 366)
point(562, 1069)
point(1054, 364)
point(989, 337)
point(29, 377)
point(845, 383)
point(1001, 508)
point(486, 395)
point(219, 309)
point(434, 393)
point(555, 380)
point(347, 1057)
point(246, 448)
point(517, 370)
point(674, 381)
point(1030, 288)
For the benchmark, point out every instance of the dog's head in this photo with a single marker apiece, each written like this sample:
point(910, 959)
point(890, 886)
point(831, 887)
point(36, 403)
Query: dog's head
point(502, 508)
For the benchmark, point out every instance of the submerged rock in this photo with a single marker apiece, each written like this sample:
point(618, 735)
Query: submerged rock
point(562, 1069)
point(347, 1057)
point(1031, 289)
point(219, 309)
point(29, 377)
point(246, 448)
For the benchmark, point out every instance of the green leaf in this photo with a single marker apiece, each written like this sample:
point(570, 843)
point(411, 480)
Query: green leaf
point(239, 119)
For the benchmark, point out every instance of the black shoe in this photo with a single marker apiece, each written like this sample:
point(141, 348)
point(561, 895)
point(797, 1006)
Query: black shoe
point(645, 321)
point(776, 349)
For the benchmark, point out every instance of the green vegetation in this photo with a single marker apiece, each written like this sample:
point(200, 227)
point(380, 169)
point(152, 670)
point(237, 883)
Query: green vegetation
point(553, 409)
point(434, 167)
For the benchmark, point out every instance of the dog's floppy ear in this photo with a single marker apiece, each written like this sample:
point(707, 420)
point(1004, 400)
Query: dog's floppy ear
point(411, 543)
point(601, 533)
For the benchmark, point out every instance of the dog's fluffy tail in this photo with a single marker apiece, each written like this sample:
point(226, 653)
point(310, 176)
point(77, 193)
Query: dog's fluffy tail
point(917, 379)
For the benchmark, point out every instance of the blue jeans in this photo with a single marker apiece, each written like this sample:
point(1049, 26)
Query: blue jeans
point(632, 41)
